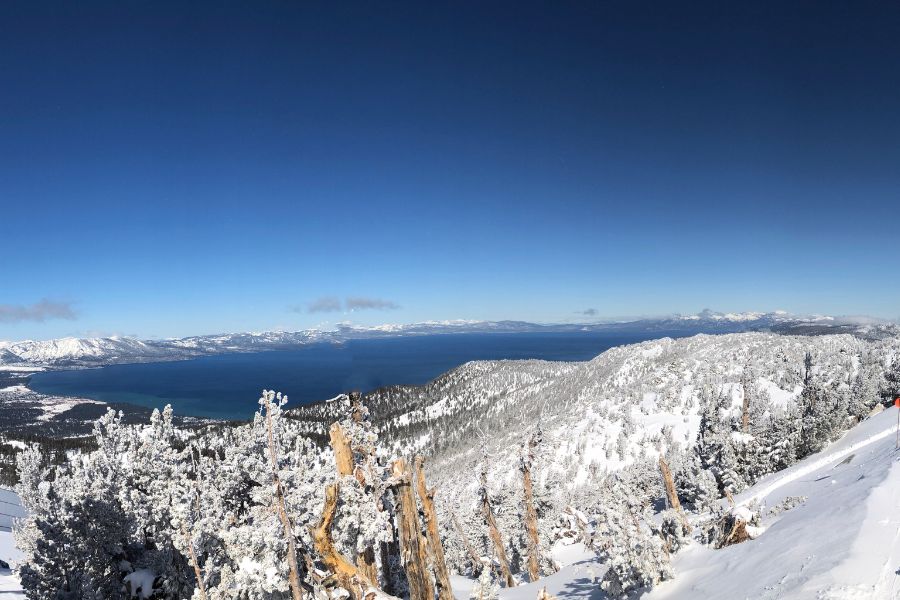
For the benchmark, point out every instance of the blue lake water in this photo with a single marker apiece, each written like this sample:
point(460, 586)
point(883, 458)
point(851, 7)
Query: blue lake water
point(228, 386)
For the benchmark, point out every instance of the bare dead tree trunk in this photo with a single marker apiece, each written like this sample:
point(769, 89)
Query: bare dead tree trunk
point(545, 595)
point(188, 538)
point(343, 458)
point(281, 509)
point(343, 454)
point(473, 556)
point(730, 498)
point(365, 561)
point(436, 549)
point(194, 563)
point(411, 546)
point(356, 407)
point(531, 520)
point(346, 574)
point(493, 532)
point(671, 492)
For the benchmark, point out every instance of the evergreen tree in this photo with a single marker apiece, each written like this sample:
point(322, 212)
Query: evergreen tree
point(892, 380)
point(781, 440)
point(823, 417)
point(696, 486)
point(486, 586)
point(627, 542)
point(716, 444)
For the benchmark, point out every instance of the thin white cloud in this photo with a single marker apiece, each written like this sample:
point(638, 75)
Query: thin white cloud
point(361, 303)
point(327, 304)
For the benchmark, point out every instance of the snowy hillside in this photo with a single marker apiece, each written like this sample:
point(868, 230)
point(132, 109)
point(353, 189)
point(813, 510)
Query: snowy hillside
point(620, 410)
point(841, 542)
point(599, 415)
point(609, 478)
point(77, 349)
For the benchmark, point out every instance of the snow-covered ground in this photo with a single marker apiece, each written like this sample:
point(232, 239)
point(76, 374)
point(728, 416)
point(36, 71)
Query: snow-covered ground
point(843, 542)
point(579, 578)
point(9, 509)
point(20, 397)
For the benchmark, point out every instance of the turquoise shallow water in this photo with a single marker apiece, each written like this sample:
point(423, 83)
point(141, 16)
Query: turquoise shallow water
point(227, 386)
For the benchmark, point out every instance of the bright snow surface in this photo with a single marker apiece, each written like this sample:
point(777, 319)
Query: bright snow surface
point(9, 508)
point(843, 542)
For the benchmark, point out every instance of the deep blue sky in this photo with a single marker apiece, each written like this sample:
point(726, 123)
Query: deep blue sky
point(170, 170)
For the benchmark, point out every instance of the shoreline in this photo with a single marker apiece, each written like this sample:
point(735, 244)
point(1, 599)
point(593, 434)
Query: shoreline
point(25, 412)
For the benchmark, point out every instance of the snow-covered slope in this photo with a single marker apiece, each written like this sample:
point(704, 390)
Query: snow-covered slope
point(624, 407)
point(842, 542)
point(600, 414)
point(9, 510)
point(79, 349)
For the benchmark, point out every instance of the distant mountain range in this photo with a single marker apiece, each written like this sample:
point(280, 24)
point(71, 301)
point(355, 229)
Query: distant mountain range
point(92, 352)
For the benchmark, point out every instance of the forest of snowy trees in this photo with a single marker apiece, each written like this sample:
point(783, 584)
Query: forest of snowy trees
point(633, 454)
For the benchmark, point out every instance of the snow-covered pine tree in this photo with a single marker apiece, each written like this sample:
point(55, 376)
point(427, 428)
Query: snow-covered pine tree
point(486, 586)
point(627, 542)
point(696, 485)
point(107, 512)
point(716, 444)
point(823, 416)
point(674, 530)
point(892, 379)
point(781, 440)
point(864, 390)
point(158, 505)
point(490, 522)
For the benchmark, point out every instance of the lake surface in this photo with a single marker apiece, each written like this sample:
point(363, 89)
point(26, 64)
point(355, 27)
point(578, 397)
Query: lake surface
point(227, 386)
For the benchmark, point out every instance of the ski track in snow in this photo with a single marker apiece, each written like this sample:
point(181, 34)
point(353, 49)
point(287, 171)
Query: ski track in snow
point(842, 543)
point(827, 459)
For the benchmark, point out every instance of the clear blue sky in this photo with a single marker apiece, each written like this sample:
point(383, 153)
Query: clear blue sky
point(172, 170)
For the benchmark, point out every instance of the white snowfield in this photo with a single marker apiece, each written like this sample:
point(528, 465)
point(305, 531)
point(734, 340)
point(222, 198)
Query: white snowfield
point(843, 542)
point(578, 578)
point(9, 510)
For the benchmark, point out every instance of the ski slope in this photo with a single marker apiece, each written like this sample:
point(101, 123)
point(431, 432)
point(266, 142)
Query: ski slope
point(843, 542)
point(10, 509)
